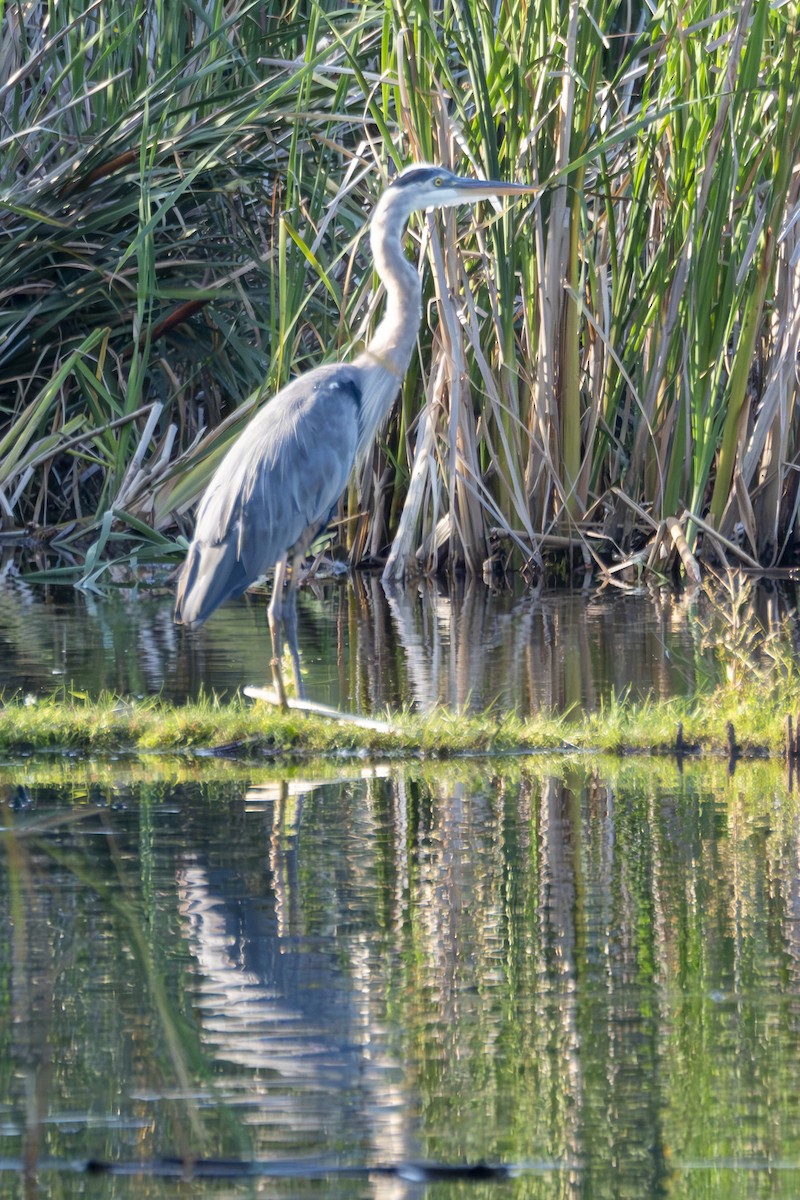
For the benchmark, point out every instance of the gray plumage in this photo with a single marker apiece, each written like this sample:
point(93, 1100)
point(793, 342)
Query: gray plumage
point(259, 505)
point(278, 484)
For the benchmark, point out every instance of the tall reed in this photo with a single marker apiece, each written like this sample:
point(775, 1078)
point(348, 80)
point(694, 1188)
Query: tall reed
point(184, 190)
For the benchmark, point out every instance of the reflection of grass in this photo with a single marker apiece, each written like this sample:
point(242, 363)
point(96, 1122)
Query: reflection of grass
point(47, 868)
point(590, 911)
point(757, 706)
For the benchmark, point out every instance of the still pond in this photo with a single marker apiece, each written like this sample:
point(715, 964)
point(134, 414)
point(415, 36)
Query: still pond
point(364, 648)
point(583, 972)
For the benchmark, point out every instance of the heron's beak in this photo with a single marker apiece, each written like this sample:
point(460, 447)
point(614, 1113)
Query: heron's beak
point(474, 190)
point(494, 187)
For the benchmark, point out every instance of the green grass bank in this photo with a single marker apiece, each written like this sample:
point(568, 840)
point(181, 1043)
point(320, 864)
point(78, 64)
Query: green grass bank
point(755, 714)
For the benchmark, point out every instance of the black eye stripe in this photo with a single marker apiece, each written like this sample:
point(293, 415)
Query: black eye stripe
point(422, 175)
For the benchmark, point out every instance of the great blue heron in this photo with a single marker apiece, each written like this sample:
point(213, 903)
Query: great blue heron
point(280, 482)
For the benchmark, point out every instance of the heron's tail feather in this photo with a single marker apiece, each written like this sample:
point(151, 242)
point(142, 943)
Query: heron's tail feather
point(210, 575)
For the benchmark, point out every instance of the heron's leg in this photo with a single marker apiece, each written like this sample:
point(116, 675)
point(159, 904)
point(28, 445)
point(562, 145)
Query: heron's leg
point(276, 625)
point(290, 623)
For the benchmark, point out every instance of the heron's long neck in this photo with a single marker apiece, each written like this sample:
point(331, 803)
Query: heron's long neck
point(393, 341)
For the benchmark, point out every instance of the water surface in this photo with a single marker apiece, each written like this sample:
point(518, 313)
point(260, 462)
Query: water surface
point(363, 647)
point(589, 972)
point(585, 972)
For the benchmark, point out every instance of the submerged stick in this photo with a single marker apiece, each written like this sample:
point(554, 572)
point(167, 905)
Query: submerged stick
point(319, 710)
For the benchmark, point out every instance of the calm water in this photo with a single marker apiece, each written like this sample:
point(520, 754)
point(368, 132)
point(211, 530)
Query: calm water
point(364, 648)
point(588, 972)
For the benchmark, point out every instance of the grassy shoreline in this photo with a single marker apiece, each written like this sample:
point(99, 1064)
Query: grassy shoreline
point(755, 713)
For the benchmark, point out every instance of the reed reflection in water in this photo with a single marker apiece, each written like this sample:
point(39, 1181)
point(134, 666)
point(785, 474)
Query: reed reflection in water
point(590, 972)
point(364, 647)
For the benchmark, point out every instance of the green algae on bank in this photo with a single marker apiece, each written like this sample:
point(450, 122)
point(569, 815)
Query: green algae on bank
point(757, 712)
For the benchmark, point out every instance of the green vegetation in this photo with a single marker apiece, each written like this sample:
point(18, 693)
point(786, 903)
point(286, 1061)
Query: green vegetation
point(183, 191)
point(111, 725)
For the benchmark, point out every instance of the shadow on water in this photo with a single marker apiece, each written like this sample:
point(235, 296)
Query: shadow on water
point(587, 973)
point(363, 647)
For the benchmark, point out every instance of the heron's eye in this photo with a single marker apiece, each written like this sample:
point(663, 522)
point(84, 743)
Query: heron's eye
point(438, 181)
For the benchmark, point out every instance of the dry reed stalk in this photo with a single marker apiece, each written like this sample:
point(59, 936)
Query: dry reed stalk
point(770, 443)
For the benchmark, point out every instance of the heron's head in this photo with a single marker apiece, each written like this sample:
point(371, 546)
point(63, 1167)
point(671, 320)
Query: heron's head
point(424, 186)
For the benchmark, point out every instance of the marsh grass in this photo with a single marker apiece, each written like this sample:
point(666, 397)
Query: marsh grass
point(236, 728)
point(183, 192)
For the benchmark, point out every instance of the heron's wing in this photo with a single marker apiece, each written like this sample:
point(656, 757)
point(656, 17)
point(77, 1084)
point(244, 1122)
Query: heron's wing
point(281, 478)
point(297, 461)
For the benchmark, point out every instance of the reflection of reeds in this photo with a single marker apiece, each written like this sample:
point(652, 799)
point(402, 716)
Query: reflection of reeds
point(584, 964)
point(47, 872)
point(365, 645)
point(184, 232)
point(28, 983)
